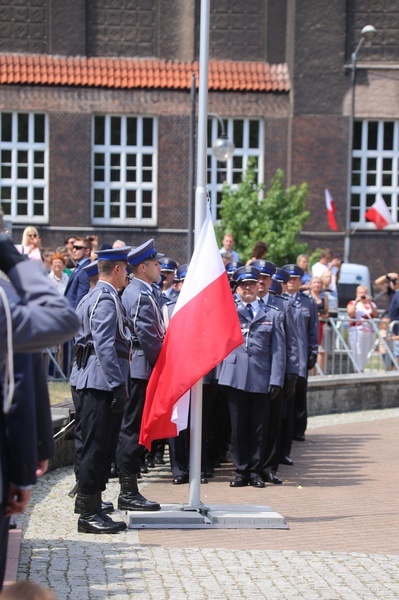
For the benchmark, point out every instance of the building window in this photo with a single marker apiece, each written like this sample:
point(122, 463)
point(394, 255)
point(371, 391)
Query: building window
point(375, 168)
point(124, 170)
point(247, 135)
point(24, 167)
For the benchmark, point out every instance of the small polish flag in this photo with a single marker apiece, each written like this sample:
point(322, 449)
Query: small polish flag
point(379, 213)
point(331, 210)
point(203, 330)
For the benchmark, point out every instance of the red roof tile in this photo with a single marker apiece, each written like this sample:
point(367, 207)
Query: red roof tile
point(130, 73)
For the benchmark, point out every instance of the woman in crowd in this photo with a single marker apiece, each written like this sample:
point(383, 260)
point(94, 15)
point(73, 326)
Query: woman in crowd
point(322, 311)
point(259, 252)
point(361, 333)
point(57, 273)
point(31, 243)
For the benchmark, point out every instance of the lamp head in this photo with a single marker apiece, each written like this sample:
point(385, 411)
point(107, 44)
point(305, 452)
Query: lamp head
point(223, 148)
point(368, 32)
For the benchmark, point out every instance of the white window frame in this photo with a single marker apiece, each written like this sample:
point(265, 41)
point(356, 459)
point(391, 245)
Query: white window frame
point(138, 186)
point(389, 193)
point(245, 152)
point(30, 182)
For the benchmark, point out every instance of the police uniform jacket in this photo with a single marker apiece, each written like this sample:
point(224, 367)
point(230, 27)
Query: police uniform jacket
point(291, 335)
point(147, 327)
point(105, 333)
point(306, 319)
point(40, 316)
point(260, 360)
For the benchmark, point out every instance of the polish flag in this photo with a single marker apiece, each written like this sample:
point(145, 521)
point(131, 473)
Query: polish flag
point(379, 213)
point(331, 210)
point(203, 330)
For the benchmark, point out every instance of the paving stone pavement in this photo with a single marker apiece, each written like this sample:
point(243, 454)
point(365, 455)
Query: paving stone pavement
point(340, 501)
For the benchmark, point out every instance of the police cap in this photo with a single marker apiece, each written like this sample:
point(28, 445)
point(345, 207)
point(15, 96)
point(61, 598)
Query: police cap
point(92, 268)
point(233, 266)
point(294, 270)
point(275, 287)
point(168, 264)
point(265, 267)
point(281, 275)
point(114, 253)
point(246, 273)
point(181, 272)
point(146, 251)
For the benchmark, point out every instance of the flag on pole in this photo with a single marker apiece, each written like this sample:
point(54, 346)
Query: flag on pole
point(331, 210)
point(203, 330)
point(379, 213)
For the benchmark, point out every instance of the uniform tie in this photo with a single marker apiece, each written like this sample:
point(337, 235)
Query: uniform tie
point(250, 310)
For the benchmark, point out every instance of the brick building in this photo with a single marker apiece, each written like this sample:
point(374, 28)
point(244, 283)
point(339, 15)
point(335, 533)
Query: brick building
point(95, 113)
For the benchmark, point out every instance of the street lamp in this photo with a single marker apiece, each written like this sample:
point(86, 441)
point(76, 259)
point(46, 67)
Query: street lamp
point(222, 149)
point(367, 33)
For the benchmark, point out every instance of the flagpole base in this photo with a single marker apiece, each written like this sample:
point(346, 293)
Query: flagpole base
point(215, 516)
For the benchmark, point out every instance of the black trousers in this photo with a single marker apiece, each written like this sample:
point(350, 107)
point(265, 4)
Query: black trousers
point(249, 415)
point(130, 454)
point(78, 431)
point(99, 435)
point(301, 406)
point(272, 436)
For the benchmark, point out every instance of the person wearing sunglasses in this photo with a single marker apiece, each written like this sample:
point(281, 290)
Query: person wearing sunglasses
point(78, 284)
point(31, 244)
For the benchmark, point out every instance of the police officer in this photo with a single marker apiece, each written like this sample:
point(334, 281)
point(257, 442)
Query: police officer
point(253, 375)
point(308, 310)
point(267, 269)
point(168, 268)
point(33, 315)
point(100, 376)
point(148, 333)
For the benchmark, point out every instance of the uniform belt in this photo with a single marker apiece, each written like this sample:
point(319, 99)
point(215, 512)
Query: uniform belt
point(119, 353)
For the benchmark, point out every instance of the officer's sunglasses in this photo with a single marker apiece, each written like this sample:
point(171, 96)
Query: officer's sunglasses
point(80, 248)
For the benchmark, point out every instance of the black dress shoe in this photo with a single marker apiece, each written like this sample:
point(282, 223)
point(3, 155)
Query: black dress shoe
point(257, 481)
point(208, 473)
point(299, 437)
point(180, 479)
point(204, 479)
point(107, 507)
point(159, 460)
point(149, 461)
point(272, 478)
point(239, 481)
point(136, 501)
point(96, 523)
point(144, 469)
point(286, 460)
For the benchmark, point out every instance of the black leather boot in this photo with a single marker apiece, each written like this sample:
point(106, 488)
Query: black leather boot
point(130, 497)
point(104, 515)
point(90, 521)
point(105, 507)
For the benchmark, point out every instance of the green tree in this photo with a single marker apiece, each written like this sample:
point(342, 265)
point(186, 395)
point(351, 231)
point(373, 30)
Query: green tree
point(276, 218)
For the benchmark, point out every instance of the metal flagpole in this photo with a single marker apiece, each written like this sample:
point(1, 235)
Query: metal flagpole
point(200, 207)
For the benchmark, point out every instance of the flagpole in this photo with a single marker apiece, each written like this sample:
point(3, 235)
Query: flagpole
point(200, 206)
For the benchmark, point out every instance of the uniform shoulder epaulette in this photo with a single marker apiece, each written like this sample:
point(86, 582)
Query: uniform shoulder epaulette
point(274, 306)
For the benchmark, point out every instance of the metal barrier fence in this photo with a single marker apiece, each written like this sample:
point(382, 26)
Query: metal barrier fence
point(338, 354)
point(356, 346)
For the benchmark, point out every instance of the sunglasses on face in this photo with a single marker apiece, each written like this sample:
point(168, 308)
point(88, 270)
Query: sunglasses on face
point(32, 234)
point(80, 248)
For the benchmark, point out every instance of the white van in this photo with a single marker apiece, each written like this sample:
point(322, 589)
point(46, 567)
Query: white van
point(350, 276)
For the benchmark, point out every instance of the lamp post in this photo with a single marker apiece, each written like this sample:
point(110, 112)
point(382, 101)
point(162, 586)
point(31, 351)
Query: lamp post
point(222, 149)
point(366, 34)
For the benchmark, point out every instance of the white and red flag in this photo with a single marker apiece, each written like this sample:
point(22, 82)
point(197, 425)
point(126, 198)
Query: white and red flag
point(331, 210)
point(379, 213)
point(203, 330)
